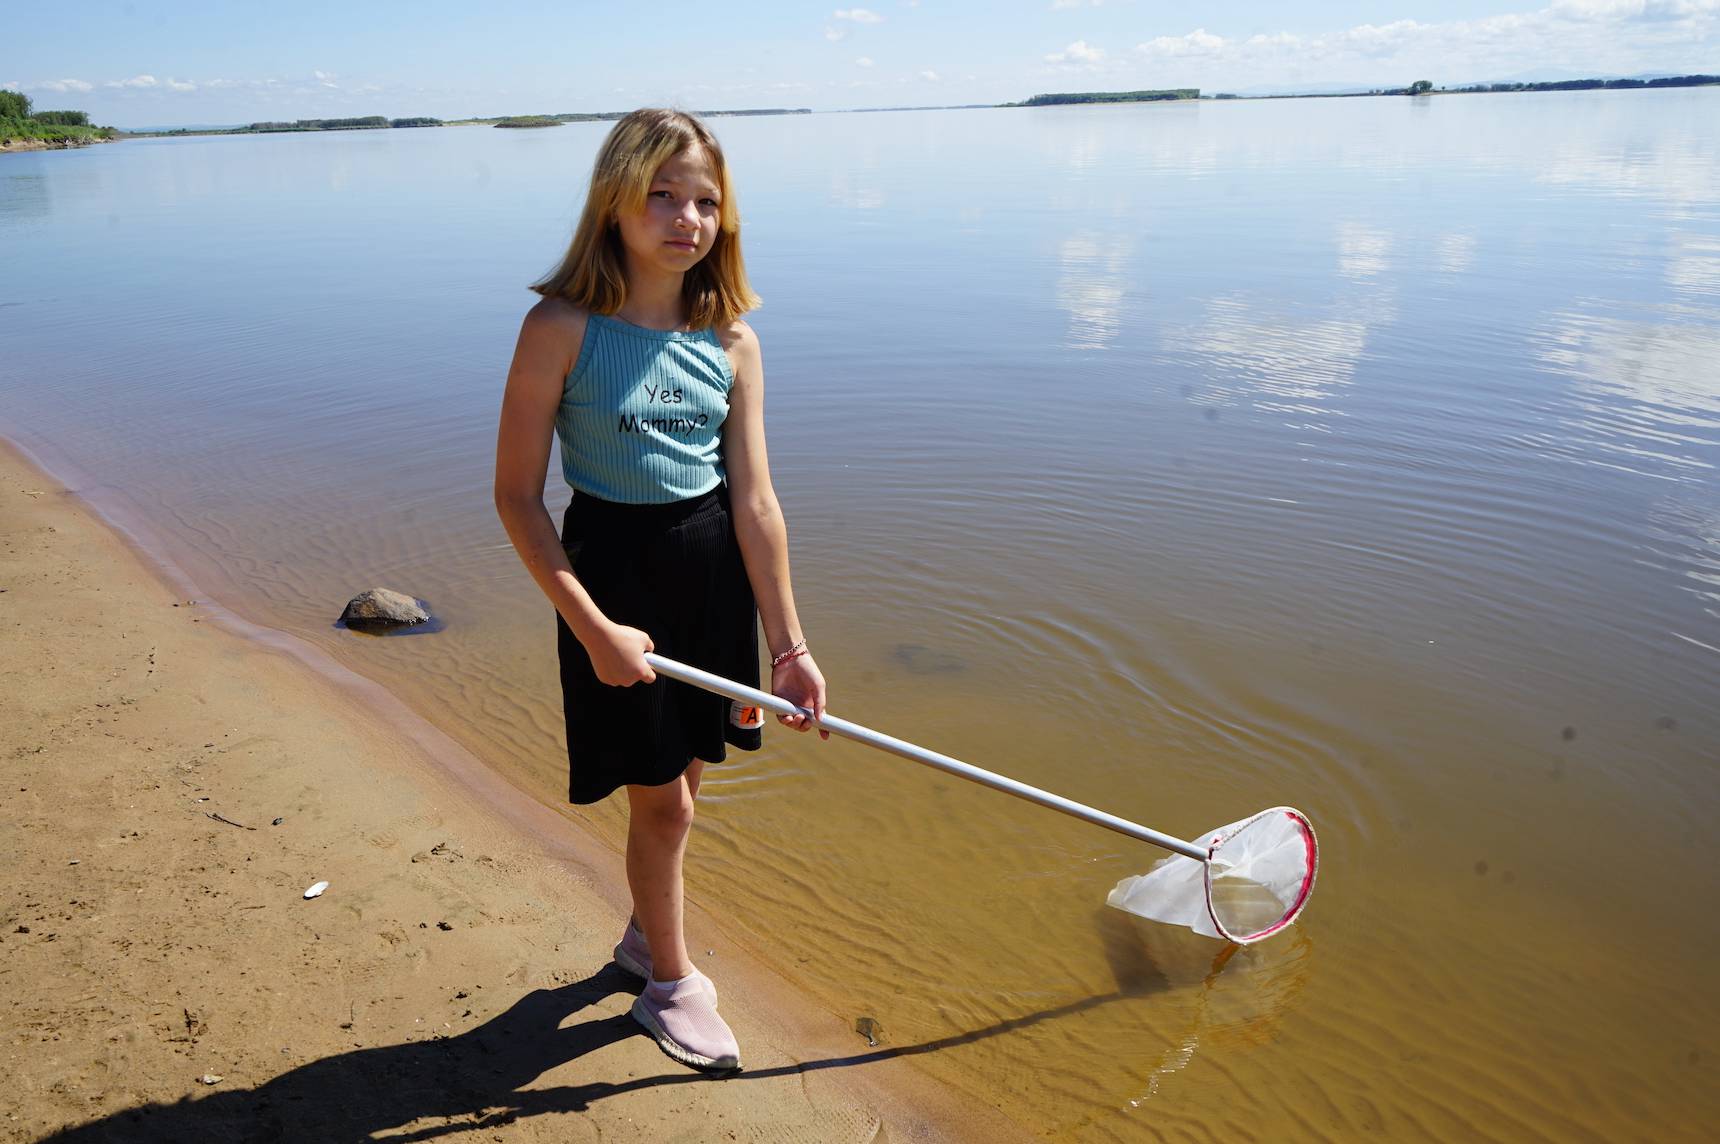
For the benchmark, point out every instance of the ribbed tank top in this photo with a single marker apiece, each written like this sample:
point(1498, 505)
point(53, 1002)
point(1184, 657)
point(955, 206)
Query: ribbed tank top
point(642, 412)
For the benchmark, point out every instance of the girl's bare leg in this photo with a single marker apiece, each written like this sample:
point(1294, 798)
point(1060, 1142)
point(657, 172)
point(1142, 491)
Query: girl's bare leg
point(659, 819)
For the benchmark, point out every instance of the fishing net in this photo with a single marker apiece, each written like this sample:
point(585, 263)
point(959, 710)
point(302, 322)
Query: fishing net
point(1256, 879)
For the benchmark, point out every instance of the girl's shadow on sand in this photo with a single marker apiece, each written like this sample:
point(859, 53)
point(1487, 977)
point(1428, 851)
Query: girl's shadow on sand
point(468, 1078)
point(474, 1079)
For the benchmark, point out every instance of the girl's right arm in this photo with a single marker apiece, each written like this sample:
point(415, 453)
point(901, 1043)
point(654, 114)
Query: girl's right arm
point(549, 344)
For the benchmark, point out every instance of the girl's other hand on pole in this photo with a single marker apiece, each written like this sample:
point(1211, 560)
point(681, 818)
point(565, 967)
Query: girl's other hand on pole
point(800, 682)
point(618, 656)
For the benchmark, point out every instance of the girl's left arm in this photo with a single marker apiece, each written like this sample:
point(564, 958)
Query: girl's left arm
point(761, 530)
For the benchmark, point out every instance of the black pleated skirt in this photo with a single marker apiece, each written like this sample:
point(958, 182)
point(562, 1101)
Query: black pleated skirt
point(674, 571)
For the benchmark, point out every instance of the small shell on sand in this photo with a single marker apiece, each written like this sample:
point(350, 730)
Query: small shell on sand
point(316, 890)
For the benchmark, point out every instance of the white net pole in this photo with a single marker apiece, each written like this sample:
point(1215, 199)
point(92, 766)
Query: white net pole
point(907, 750)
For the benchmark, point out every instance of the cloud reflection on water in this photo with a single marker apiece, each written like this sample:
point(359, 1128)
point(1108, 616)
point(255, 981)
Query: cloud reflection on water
point(1694, 266)
point(1676, 171)
point(1455, 253)
point(1363, 251)
point(1279, 363)
point(1092, 281)
point(1274, 354)
point(1648, 390)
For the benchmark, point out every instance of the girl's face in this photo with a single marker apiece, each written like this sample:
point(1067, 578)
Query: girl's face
point(679, 222)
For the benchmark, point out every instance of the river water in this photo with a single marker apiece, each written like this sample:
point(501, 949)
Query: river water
point(1186, 460)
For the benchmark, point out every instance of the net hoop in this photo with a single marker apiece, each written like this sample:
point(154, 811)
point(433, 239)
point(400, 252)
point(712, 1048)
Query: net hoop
point(1312, 866)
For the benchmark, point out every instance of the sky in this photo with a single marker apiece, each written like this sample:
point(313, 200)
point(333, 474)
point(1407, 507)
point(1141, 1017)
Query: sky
point(136, 64)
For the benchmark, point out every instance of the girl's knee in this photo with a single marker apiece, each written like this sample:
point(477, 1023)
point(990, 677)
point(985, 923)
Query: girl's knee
point(662, 811)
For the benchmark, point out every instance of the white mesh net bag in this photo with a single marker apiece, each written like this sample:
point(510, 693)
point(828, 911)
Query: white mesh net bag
point(1256, 878)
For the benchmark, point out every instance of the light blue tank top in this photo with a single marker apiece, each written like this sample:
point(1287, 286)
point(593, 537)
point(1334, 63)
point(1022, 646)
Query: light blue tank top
point(642, 412)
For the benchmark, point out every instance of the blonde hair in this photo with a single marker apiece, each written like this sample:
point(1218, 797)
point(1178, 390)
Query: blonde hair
point(593, 273)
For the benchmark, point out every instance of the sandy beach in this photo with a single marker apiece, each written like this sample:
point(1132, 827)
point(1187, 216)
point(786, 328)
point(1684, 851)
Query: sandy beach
point(175, 782)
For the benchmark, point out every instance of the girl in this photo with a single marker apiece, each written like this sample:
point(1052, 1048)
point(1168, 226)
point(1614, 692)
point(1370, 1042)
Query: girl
point(637, 359)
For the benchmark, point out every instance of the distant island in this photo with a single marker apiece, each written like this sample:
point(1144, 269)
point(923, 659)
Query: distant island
point(382, 122)
point(605, 117)
point(1426, 87)
point(1058, 98)
point(1594, 84)
point(361, 123)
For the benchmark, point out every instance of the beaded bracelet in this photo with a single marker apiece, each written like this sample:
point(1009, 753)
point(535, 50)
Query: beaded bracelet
point(794, 652)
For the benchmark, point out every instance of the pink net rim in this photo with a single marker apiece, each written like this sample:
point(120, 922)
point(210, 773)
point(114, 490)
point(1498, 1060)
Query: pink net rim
point(1303, 892)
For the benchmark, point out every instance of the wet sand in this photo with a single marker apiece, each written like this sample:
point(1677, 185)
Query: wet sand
point(165, 979)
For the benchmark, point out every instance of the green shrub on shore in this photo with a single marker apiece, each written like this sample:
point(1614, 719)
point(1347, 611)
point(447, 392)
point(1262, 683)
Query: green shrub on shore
point(18, 122)
point(12, 130)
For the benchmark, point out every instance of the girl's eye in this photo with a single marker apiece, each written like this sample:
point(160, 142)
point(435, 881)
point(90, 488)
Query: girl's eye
point(708, 202)
point(665, 194)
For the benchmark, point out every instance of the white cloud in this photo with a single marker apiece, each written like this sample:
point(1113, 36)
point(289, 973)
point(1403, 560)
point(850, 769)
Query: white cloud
point(1080, 53)
point(180, 85)
point(835, 34)
point(1381, 39)
point(326, 79)
point(64, 85)
point(929, 76)
point(863, 62)
point(1057, 5)
point(858, 15)
point(1199, 42)
point(1648, 10)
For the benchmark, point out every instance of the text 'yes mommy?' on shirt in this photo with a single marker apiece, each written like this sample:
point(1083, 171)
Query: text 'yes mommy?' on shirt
point(642, 412)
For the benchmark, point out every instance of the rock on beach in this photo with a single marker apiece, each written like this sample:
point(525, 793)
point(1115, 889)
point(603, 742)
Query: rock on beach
point(382, 608)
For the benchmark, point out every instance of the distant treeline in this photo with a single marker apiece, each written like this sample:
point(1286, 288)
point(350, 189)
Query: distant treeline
point(54, 128)
point(1425, 87)
point(610, 116)
point(1597, 84)
point(1108, 97)
point(361, 123)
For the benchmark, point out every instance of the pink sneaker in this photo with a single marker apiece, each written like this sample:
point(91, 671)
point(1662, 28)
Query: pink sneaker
point(681, 1017)
point(633, 954)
